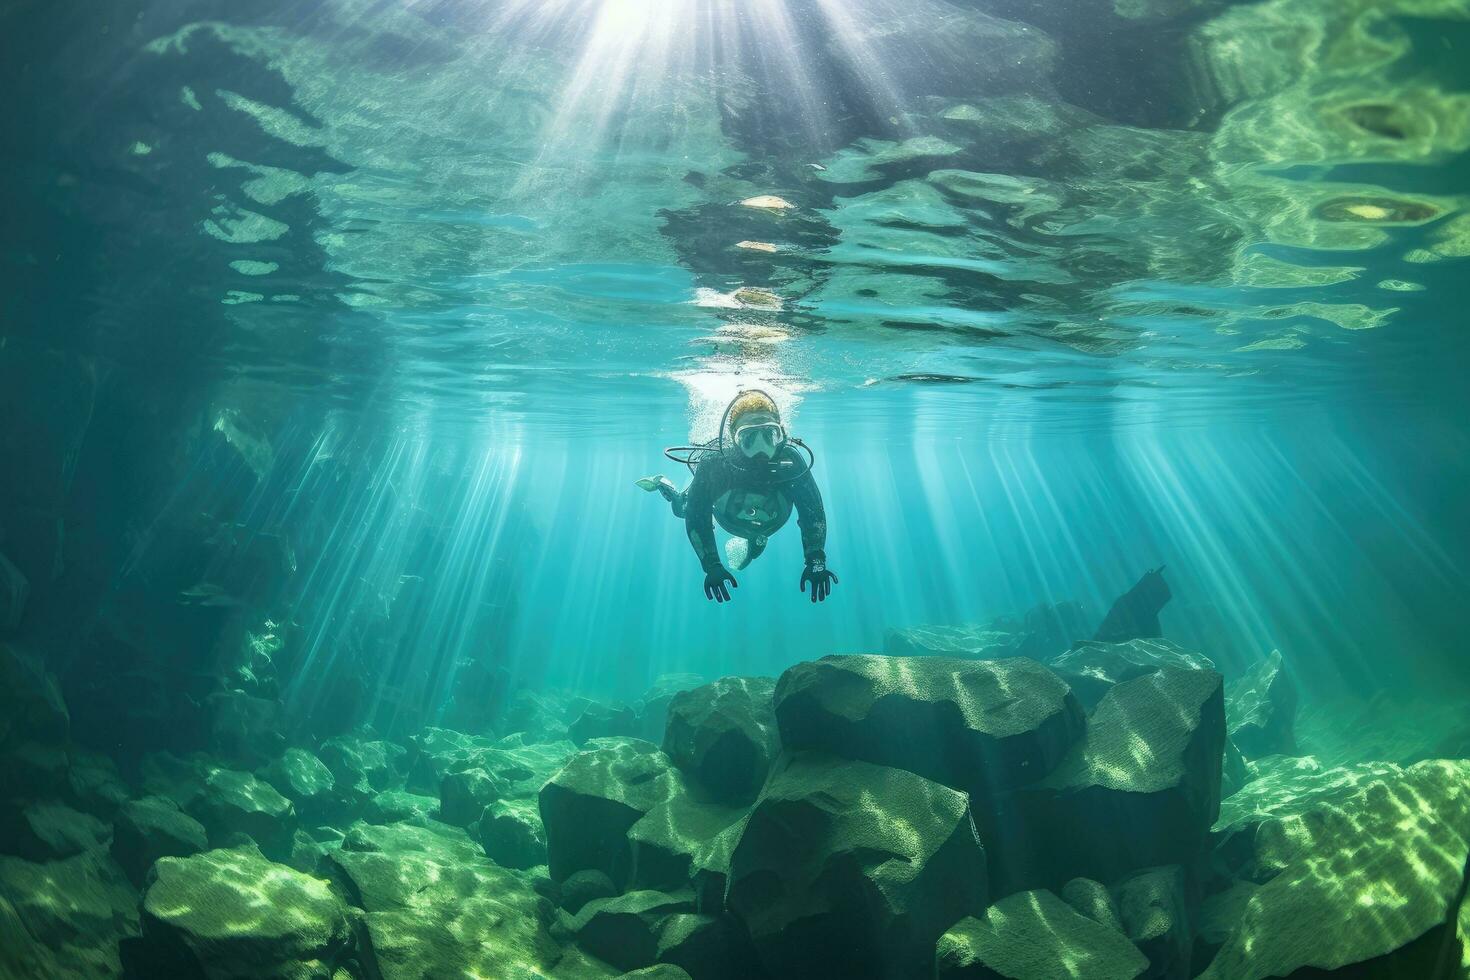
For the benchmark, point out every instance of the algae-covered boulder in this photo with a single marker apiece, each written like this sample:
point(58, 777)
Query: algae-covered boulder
point(233, 803)
point(850, 869)
point(65, 918)
point(362, 767)
point(684, 840)
point(31, 707)
point(435, 907)
point(653, 707)
point(982, 726)
point(1035, 936)
point(152, 828)
point(1092, 669)
point(589, 805)
point(1359, 870)
point(723, 735)
point(512, 835)
point(1260, 710)
point(464, 795)
point(303, 779)
point(1092, 899)
point(94, 785)
point(401, 806)
point(600, 720)
point(45, 830)
point(1154, 908)
point(233, 914)
point(1140, 789)
point(644, 928)
point(976, 642)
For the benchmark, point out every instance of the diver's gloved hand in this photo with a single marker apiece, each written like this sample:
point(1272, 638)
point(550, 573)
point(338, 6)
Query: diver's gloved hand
point(714, 584)
point(821, 579)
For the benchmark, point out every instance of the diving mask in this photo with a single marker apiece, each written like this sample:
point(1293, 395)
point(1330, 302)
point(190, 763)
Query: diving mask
point(760, 439)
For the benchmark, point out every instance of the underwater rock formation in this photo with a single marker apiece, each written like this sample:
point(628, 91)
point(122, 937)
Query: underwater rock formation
point(723, 736)
point(1034, 935)
point(985, 726)
point(847, 868)
point(1135, 613)
point(1260, 709)
point(1388, 843)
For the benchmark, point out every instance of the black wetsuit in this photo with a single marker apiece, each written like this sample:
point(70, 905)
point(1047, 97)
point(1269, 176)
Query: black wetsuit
point(752, 499)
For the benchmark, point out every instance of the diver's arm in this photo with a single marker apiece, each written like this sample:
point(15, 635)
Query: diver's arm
point(699, 517)
point(811, 517)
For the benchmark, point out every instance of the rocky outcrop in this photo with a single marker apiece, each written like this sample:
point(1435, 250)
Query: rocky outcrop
point(985, 727)
point(588, 807)
point(232, 914)
point(152, 828)
point(65, 918)
point(234, 804)
point(1155, 909)
point(512, 834)
point(1092, 669)
point(1260, 710)
point(1140, 789)
point(46, 830)
point(1035, 936)
point(847, 869)
point(978, 642)
point(1358, 869)
point(723, 736)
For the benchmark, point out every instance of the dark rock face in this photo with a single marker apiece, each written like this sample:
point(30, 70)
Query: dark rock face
point(723, 736)
point(653, 707)
point(15, 589)
point(1140, 789)
point(588, 807)
point(64, 918)
point(1035, 936)
point(233, 803)
point(850, 869)
point(582, 887)
point(512, 835)
point(152, 828)
point(1154, 907)
point(985, 727)
point(362, 767)
point(31, 708)
point(1260, 710)
point(245, 729)
point(1135, 613)
point(598, 720)
point(1385, 841)
point(303, 779)
point(463, 796)
point(642, 929)
point(47, 830)
point(232, 913)
point(1092, 669)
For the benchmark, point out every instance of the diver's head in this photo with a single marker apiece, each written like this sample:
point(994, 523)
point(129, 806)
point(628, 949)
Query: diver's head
point(755, 425)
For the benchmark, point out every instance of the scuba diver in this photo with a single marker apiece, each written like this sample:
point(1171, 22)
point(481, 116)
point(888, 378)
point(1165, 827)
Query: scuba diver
point(749, 482)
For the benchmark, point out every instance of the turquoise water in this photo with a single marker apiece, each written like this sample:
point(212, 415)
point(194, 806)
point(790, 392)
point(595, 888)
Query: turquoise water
point(333, 337)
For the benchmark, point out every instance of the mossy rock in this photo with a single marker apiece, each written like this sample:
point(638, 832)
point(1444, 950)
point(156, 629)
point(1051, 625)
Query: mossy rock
point(464, 795)
point(233, 914)
point(685, 840)
point(851, 869)
point(303, 779)
point(512, 835)
point(1140, 789)
point(600, 720)
point(45, 830)
point(1035, 936)
point(1360, 869)
point(723, 736)
point(1260, 710)
point(31, 706)
point(1092, 669)
point(401, 806)
point(65, 918)
point(152, 828)
point(436, 907)
point(982, 726)
point(588, 807)
point(363, 767)
point(233, 803)
point(1154, 907)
